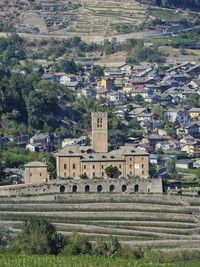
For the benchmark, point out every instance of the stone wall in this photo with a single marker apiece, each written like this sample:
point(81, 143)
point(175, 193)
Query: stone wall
point(85, 186)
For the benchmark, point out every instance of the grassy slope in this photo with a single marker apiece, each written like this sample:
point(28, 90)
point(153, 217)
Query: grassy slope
point(51, 261)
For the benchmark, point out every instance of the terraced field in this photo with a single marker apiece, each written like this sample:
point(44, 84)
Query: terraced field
point(151, 220)
point(98, 17)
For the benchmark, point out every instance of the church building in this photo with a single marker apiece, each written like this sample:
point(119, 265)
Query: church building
point(91, 161)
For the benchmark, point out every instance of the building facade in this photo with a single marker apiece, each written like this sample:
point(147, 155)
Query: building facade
point(36, 172)
point(76, 161)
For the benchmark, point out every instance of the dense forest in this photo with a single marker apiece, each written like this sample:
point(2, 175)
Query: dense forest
point(192, 4)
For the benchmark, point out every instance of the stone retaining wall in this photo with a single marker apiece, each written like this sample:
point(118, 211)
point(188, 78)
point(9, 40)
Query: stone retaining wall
point(85, 186)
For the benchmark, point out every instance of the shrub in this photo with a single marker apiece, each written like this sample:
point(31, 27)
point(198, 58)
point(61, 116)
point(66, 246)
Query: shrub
point(5, 237)
point(114, 247)
point(100, 247)
point(77, 245)
point(39, 237)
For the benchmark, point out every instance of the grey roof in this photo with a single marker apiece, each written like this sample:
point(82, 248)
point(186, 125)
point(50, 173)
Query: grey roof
point(194, 110)
point(40, 136)
point(184, 161)
point(87, 153)
point(36, 164)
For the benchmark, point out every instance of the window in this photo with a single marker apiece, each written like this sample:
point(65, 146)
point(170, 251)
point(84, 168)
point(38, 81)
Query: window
point(136, 188)
point(131, 173)
point(62, 189)
point(142, 166)
point(99, 123)
point(124, 188)
point(84, 167)
point(74, 174)
point(65, 175)
point(74, 188)
point(87, 188)
point(102, 166)
point(40, 174)
point(102, 174)
point(65, 166)
point(112, 188)
point(130, 166)
point(142, 158)
point(130, 159)
point(142, 172)
point(30, 174)
point(99, 188)
point(120, 166)
point(93, 174)
point(74, 166)
point(93, 166)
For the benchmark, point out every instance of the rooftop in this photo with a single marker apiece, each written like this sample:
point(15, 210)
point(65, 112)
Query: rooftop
point(36, 164)
point(87, 153)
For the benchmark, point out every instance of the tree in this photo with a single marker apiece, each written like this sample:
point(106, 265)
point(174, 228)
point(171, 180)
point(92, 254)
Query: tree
point(149, 54)
point(198, 173)
point(193, 101)
point(170, 129)
point(68, 66)
point(41, 106)
point(136, 133)
point(114, 247)
point(50, 160)
point(138, 99)
point(134, 124)
point(112, 172)
point(39, 237)
point(100, 247)
point(152, 169)
point(97, 71)
point(5, 237)
point(77, 245)
point(2, 173)
point(171, 166)
point(158, 110)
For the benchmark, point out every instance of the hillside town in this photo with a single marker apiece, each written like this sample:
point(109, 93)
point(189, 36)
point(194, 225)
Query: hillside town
point(157, 101)
point(100, 133)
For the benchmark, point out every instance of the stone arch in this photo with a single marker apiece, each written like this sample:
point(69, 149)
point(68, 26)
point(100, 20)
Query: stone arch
point(74, 188)
point(112, 188)
point(87, 188)
point(124, 188)
point(136, 188)
point(99, 188)
point(62, 189)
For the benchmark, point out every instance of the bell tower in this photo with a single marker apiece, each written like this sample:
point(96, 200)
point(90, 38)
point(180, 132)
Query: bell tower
point(100, 132)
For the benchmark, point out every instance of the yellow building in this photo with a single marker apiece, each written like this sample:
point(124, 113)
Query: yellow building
point(192, 149)
point(106, 83)
point(194, 114)
point(127, 88)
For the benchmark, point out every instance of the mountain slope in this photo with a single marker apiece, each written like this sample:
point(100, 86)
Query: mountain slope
point(192, 4)
point(100, 17)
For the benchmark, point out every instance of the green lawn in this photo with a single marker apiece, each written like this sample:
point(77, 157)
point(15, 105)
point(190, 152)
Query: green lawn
point(12, 260)
point(166, 15)
point(190, 171)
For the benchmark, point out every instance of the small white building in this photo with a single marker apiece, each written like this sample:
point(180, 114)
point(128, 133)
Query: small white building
point(67, 79)
point(117, 97)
